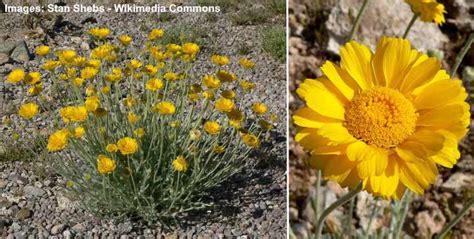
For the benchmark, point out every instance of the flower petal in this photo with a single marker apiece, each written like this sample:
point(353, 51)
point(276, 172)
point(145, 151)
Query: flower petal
point(449, 155)
point(336, 133)
point(320, 99)
point(431, 141)
point(392, 60)
point(311, 140)
point(356, 60)
point(439, 93)
point(340, 79)
point(420, 74)
point(372, 161)
point(306, 117)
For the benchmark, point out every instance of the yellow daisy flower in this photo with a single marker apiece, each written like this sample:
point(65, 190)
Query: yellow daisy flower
point(16, 76)
point(105, 165)
point(246, 63)
point(220, 60)
point(259, 108)
point(250, 140)
point(212, 127)
point(127, 145)
point(154, 84)
point(224, 105)
point(58, 140)
point(132, 118)
point(429, 10)
point(99, 33)
point(42, 50)
point(165, 108)
point(180, 164)
point(111, 148)
point(79, 132)
point(28, 110)
point(385, 118)
point(155, 34)
point(125, 40)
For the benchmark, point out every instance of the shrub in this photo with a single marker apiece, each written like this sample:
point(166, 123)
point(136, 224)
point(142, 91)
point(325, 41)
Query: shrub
point(274, 42)
point(140, 133)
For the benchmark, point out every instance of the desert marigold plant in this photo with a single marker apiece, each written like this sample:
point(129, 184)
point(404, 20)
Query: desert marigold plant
point(137, 132)
point(386, 118)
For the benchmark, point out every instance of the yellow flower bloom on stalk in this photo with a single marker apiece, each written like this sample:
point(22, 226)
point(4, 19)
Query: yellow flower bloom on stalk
point(259, 108)
point(66, 56)
point(173, 48)
point(78, 81)
point(105, 90)
point(428, 10)
point(154, 84)
point(111, 148)
point(250, 140)
point(164, 108)
point(175, 123)
point(50, 65)
point(15, 76)
point(157, 54)
point(80, 61)
point(35, 89)
point(190, 48)
point(194, 134)
point(130, 101)
point(151, 70)
point(218, 149)
point(89, 73)
point(386, 118)
point(99, 33)
point(193, 97)
point(28, 110)
point(140, 132)
point(171, 76)
point(246, 63)
point(79, 132)
point(127, 146)
point(63, 77)
point(211, 81)
point(114, 76)
point(125, 40)
point(103, 52)
point(180, 164)
point(220, 60)
point(134, 64)
point(212, 127)
point(228, 94)
point(93, 63)
point(105, 165)
point(58, 140)
point(73, 113)
point(132, 118)
point(226, 76)
point(42, 50)
point(71, 72)
point(208, 94)
point(92, 103)
point(265, 125)
point(224, 105)
point(156, 34)
point(33, 78)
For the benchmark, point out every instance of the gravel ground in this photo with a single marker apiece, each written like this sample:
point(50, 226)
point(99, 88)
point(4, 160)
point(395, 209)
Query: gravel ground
point(251, 204)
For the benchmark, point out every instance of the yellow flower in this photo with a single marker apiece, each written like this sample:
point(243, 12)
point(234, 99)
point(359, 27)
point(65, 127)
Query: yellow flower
point(212, 127)
point(429, 10)
point(78, 81)
point(194, 134)
point(73, 113)
point(79, 132)
point(127, 145)
point(111, 148)
point(80, 61)
point(175, 123)
point(105, 51)
point(171, 76)
point(140, 132)
point(154, 84)
point(132, 118)
point(105, 90)
point(28, 110)
point(151, 70)
point(66, 56)
point(220, 60)
point(58, 140)
point(246, 63)
point(218, 149)
point(211, 81)
point(92, 103)
point(385, 118)
point(173, 48)
point(155, 34)
point(250, 140)
point(33, 78)
point(228, 94)
point(99, 33)
point(63, 77)
point(16, 76)
point(180, 164)
point(35, 89)
point(259, 108)
point(165, 108)
point(130, 101)
point(71, 72)
point(125, 40)
point(190, 48)
point(235, 114)
point(135, 64)
point(114, 76)
point(193, 97)
point(208, 95)
point(265, 125)
point(226, 76)
point(224, 105)
point(93, 63)
point(89, 72)
point(50, 65)
point(42, 50)
point(105, 165)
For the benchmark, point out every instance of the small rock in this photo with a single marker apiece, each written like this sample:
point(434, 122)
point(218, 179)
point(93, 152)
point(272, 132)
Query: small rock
point(23, 214)
point(78, 228)
point(33, 191)
point(4, 202)
point(57, 229)
point(7, 46)
point(67, 234)
point(64, 203)
point(4, 58)
point(458, 181)
point(21, 53)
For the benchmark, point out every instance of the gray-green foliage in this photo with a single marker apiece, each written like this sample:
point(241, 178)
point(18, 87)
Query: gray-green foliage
point(274, 42)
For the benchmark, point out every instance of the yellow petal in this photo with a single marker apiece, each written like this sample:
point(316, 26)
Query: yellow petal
point(306, 117)
point(439, 93)
point(431, 141)
point(441, 75)
point(336, 133)
point(386, 184)
point(449, 155)
point(356, 60)
point(442, 116)
point(333, 167)
point(310, 139)
point(420, 74)
point(340, 79)
point(391, 61)
point(320, 99)
point(373, 162)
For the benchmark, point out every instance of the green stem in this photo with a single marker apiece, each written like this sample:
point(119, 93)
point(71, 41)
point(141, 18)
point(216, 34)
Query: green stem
point(358, 19)
point(349, 218)
point(462, 53)
point(405, 205)
point(332, 207)
point(315, 201)
point(412, 21)
point(371, 219)
point(458, 217)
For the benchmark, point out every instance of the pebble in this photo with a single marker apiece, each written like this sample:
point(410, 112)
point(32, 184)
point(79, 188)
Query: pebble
point(23, 213)
point(58, 229)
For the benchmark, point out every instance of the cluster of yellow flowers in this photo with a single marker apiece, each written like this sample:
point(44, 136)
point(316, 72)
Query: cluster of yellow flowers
point(151, 84)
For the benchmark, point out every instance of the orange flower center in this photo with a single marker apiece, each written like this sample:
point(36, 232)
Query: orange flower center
point(380, 116)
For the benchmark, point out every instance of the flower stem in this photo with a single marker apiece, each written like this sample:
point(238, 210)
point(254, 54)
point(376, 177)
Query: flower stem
point(332, 207)
point(462, 53)
point(358, 19)
point(412, 21)
point(405, 205)
point(458, 217)
point(315, 200)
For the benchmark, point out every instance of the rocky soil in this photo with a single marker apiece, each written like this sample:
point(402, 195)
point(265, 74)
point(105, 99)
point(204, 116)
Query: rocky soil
point(317, 30)
point(251, 204)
